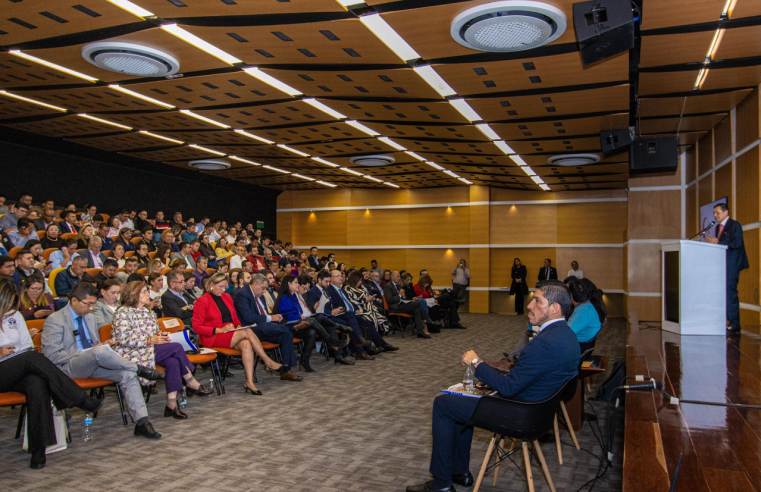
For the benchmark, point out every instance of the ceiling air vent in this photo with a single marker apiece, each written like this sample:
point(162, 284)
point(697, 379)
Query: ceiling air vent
point(508, 26)
point(130, 59)
point(573, 159)
point(209, 165)
point(372, 160)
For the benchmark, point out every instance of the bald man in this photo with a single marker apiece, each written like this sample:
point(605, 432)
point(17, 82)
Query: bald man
point(395, 296)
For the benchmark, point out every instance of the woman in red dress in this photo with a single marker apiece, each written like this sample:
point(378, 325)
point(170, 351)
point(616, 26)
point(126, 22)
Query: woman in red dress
point(215, 321)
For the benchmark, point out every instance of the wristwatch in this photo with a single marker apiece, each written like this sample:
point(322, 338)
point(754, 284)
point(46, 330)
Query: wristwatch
point(475, 362)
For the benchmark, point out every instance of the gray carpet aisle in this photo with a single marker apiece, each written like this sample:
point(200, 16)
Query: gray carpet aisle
point(360, 428)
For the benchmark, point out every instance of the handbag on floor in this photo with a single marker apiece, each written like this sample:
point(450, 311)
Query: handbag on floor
point(61, 432)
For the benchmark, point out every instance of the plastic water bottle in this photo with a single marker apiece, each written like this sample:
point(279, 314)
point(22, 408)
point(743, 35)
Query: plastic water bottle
point(87, 428)
point(467, 380)
point(182, 399)
point(211, 387)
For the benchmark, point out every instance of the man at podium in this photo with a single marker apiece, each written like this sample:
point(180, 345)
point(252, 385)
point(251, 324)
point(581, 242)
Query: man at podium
point(730, 233)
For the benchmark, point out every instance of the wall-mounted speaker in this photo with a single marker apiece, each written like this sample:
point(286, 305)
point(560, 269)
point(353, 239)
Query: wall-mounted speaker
point(603, 28)
point(614, 142)
point(653, 155)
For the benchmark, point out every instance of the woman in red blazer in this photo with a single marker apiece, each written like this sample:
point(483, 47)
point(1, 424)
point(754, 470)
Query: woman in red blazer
point(215, 321)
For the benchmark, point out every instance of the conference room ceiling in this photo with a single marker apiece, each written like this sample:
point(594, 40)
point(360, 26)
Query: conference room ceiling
point(540, 103)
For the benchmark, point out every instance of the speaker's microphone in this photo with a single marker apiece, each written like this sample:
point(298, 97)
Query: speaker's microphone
point(653, 384)
point(713, 223)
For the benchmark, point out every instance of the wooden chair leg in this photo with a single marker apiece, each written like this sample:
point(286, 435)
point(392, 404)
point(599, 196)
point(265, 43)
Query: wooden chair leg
point(544, 465)
point(527, 459)
point(485, 464)
point(557, 439)
point(568, 424)
point(499, 457)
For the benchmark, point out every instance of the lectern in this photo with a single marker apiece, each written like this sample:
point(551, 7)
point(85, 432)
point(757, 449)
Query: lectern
point(694, 288)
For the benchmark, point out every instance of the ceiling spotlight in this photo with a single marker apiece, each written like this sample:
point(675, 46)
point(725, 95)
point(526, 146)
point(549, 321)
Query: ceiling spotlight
point(209, 165)
point(572, 160)
point(372, 160)
point(130, 59)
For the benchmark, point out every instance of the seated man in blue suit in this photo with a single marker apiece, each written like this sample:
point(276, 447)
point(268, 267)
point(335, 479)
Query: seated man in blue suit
point(340, 309)
point(252, 308)
point(547, 362)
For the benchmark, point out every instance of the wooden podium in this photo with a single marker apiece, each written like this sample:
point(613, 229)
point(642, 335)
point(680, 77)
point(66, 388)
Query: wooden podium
point(694, 288)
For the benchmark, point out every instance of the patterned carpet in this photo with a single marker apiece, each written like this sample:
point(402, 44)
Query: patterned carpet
point(360, 428)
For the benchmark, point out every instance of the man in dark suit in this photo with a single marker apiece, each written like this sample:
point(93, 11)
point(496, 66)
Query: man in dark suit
point(548, 272)
point(174, 302)
point(544, 366)
point(730, 233)
point(252, 309)
point(313, 259)
point(48, 217)
point(394, 298)
point(69, 223)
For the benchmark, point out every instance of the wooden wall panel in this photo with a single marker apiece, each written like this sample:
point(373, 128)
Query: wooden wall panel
point(747, 183)
point(592, 223)
point(705, 153)
point(334, 197)
point(691, 157)
point(450, 225)
point(722, 140)
point(284, 226)
point(647, 308)
point(313, 228)
point(723, 183)
point(532, 258)
point(376, 227)
point(749, 279)
point(524, 224)
point(388, 259)
point(705, 191)
point(691, 209)
point(747, 120)
point(655, 215)
point(658, 179)
point(644, 267)
point(603, 266)
point(450, 194)
point(438, 262)
point(364, 197)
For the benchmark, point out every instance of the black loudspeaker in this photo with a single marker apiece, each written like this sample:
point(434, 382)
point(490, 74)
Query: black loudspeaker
point(653, 155)
point(603, 28)
point(614, 142)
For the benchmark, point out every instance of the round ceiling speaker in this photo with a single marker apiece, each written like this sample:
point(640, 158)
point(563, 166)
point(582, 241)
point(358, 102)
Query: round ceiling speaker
point(130, 59)
point(569, 160)
point(372, 160)
point(209, 165)
point(511, 25)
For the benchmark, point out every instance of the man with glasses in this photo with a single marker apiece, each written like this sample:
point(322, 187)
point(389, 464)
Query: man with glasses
point(9, 221)
point(71, 341)
point(48, 217)
point(174, 302)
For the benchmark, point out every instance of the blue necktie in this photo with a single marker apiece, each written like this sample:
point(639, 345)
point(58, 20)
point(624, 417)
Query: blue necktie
point(83, 334)
point(349, 307)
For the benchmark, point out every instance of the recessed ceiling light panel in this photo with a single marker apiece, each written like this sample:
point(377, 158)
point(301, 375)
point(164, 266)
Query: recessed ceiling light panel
point(372, 160)
point(508, 26)
point(209, 164)
point(573, 159)
point(130, 59)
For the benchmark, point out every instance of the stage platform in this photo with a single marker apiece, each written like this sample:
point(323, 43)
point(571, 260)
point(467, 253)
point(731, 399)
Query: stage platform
point(721, 446)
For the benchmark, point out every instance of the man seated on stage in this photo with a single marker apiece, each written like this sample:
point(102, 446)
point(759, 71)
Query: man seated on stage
point(71, 341)
point(546, 363)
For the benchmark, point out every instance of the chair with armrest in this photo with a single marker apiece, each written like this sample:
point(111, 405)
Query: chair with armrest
point(397, 317)
point(98, 383)
point(51, 280)
point(36, 324)
point(195, 359)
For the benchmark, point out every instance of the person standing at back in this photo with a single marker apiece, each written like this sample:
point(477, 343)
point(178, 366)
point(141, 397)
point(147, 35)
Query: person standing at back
point(548, 272)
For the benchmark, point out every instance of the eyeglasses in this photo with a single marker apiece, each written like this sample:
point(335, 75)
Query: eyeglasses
point(88, 304)
point(35, 289)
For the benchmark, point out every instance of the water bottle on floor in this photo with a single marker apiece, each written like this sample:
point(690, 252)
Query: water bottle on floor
point(87, 428)
point(182, 399)
point(211, 387)
point(467, 380)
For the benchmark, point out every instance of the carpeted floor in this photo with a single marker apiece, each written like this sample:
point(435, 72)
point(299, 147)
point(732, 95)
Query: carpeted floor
point(360, 428)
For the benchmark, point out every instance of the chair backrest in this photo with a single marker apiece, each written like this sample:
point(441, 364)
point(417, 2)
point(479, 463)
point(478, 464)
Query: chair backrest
point(47, 252)
point(165, 270)
point(152, 254)
point(211, 271)
point(69, 235)
point(37, 342)
point(93, 271)
point(129, 254)
point(587, 347)
point(136, 240)
point(51, 280)
point(35, 323)
point(171, 329)
point(14, 251)
point(517, 419)
point(142, 271)
point(40, 234)
point(105, 217)
point(105, 332)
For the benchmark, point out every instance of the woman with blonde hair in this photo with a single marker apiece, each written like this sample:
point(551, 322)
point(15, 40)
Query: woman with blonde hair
point(35, 302)
point(221, 250)
point(83, 236)
point(139, 340)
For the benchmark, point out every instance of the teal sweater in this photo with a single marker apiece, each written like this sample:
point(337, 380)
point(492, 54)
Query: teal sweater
point(585, 322)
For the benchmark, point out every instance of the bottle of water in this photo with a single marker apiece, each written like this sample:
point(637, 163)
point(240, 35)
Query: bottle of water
point(467, 380)
point(87, 428)
point(182, 399)
point(211, 387)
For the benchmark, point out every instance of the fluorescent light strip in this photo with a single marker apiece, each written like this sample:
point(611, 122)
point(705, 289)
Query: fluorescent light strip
point(412, 154)
point(325, 183)
point(393, 144)
point(244, 160)
point(276, 169)
point(487, 130)
point(52, 65)
point(203, 118)
point(199, 43)
point(537, 180)
point(389, 36)
point(544, 187)
point(506, 149)
point(350, 3)
point(372, 178)
point(140, 96)
point(728, 8)
point(447, 171)
point(272, 81)
point(464, 108)
point(323, 161)
point(431, 76)
point(359, 126)
point(251, 135)
point(351, 171)
point(714, 44)
point(38, 103)
point(160, 137)
point(297, 152)
point(518, 160)
point(390, 184)
point(105, 122)
point(701, 78)
point(528, 170)
point(132, 8)
point(465, 181)
point(318, 105)
point(210, 151)
point(434, 165)
point(302, 177)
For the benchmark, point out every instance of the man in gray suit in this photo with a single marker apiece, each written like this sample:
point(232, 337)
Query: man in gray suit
point(92, 254)
point(70, 340)
point(394, 298)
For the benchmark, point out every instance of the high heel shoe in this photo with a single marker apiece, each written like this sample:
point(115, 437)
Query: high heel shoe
point(305, 367)
point(175, 413)
point(38, 459)
point(246, 389)
point(341, 344)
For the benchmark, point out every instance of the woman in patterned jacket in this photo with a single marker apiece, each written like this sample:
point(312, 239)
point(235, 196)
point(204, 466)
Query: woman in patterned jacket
point(136, 331)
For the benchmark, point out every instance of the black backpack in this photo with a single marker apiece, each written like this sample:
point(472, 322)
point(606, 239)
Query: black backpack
point(617, 378)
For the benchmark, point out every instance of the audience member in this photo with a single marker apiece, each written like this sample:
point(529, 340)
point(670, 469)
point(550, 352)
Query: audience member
point(159, 226)
point(163, 255)
point(3, 207)
point(8, 269)
point(141, 255)
point(191, 289)
point(62, 257)
point(584, 321)
point(108, 271)
point(35, 247)
point(24, 232)
point(175, 302)
point(25, 266)
point(108, 303)
point(314, 259)
point(575, 271)
point(168, 238)
point(141, 222)
point(69, 224)
point(117, 254)
point(47, 219)
point(394, 299)
point(89, 213)
point(84, 235)
point(375, 268)
point(52, 237)
point(185, 255)
point(93, 254)
point(35, 302)
point(10, 220)
point(147, 239)
point(102, 232)
point(423, 290)
point(367, 313)
point(125, 238)
point(200, 272)
point(190, 234)
point(386, 278)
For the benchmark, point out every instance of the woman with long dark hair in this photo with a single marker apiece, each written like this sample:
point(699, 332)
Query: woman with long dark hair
point(518, 288)
point(584, 321)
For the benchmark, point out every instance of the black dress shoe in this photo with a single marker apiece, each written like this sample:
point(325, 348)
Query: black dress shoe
point(426, 487)
point(364, 356)
point(423, 335)
point(175, 412)
point(200, 391)
point(146, 430)
point(389, 348)
point(150, 374)
point(733, 331)
point(464, 479)
point(459, 326)
point(38, 459)
point(344, 362)
point(91, 405)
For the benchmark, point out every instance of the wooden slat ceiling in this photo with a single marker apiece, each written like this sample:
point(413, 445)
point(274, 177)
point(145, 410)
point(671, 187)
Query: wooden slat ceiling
point(541, 102)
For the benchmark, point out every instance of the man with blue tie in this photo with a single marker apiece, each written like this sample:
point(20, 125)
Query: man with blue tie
point(71, 341)
point(251, 308)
